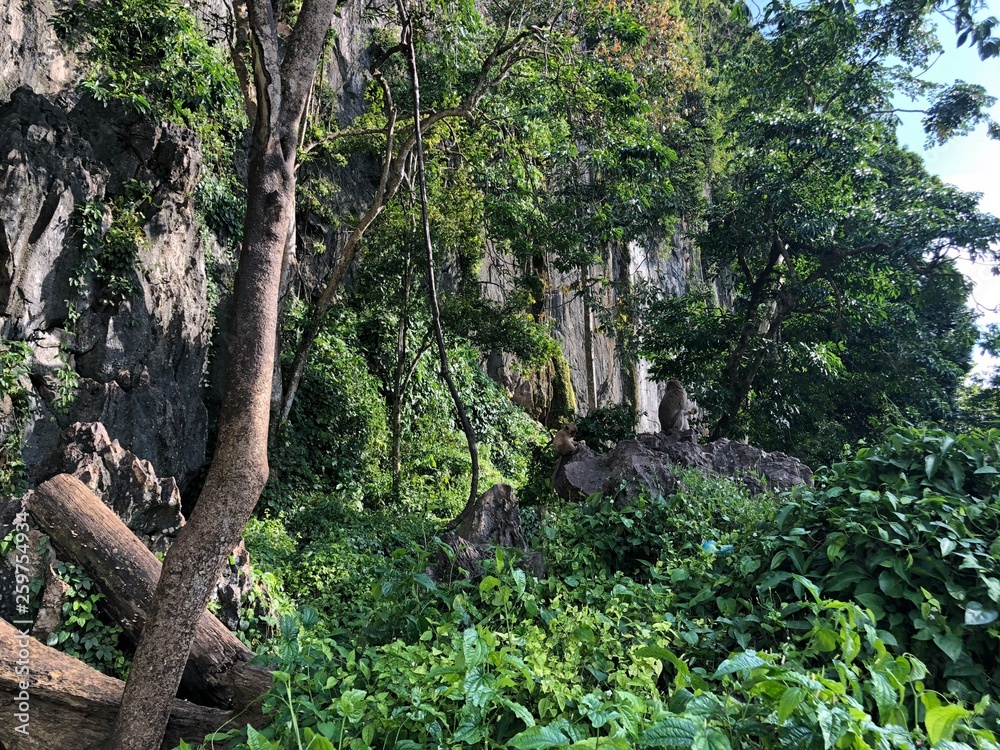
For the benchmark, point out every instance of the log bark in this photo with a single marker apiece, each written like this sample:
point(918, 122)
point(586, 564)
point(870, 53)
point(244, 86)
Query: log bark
point(72, 706)
point(88, 532)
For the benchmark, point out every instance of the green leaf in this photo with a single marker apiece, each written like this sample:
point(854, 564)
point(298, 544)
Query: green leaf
point(655, 652)
point(710, 739)
point(993, 588)
point(746, 660)
point(671, 731)
point(316, 741)
point(477, 692)
point(601, 743)
point(520, 712)
point(947, 545)
point(351, 705)
point(941, 721)
point(426, 581)
point(949, 643)
point(257, 741)
point(474, 648)
point(885, 696)
point(873, 602)
point(790, 700)
point(538, 738)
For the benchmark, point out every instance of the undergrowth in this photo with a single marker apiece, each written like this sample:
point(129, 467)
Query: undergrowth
point(707, 619)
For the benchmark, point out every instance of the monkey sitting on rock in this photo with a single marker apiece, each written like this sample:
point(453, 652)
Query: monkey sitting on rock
point(566, 444)
point(565, 441)
point(675, 408)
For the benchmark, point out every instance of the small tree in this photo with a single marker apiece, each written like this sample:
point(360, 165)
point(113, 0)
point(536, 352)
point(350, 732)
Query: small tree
point(239, 468)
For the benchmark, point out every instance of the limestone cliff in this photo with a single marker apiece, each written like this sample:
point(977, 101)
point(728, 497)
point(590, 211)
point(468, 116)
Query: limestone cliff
point(138, 364)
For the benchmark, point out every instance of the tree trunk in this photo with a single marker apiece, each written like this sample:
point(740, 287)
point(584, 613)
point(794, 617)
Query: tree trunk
point(89, 533)
point(71, 706)
point(396, 416)
point(470, 434)
point(239, 467)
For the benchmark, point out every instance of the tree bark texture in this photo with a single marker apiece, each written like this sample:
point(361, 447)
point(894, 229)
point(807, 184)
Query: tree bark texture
point(72, 706)
point(90, 534)
point(239, 468)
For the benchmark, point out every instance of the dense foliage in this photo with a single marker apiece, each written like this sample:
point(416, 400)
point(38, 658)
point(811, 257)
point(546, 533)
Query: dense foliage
point(859, 613)
point(836, 244)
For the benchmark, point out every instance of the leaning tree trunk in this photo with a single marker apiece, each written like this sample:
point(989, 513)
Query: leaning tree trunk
point(470, 434)
point(89, 533)
point(71, 706)
point(239, 467)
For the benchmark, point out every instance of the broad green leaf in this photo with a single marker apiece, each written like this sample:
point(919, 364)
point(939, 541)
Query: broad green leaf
point(885, 696)
point(670, 731)
point(790, 700)
point(520, 712)
point(351, 705)
point(601, 743)
point(426, 581)
point(474, 648)
point(477, 692)
point(873, 602)
point(949, 643)
point(538, 738)
point(976, 615)
point(316, 741)
point(655, 652)
point(931, 464)
point(710, 739)
point(941, 721)
point(947, 545)
point(257, 741)
point(993, 588)
point(520, 582)
point(746, 660)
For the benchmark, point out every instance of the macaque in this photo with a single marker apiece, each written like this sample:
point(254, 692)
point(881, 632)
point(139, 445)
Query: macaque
point(675, 408)
point(565, 441)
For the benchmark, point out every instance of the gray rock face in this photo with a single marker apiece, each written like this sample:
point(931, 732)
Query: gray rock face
point(138, 364)
point(149, 506)
point(648, 465)
point(668, 266)
point(30, 54)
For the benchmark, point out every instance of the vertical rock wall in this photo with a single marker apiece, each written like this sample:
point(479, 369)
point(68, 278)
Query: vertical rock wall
point(30, 55)
point(137, 365)
point(668, 265)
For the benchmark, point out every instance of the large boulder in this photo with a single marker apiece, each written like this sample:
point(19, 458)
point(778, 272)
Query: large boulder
point(148, 505)
point(650, 464)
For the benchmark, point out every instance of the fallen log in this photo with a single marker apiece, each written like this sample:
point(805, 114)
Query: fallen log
point(88, 532)
point(53, 700)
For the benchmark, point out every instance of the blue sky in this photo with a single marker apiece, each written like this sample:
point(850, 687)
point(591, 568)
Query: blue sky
point(969, 162)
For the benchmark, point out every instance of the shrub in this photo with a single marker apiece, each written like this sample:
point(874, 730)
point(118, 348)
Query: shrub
point(908, 530)
point(706, 515)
